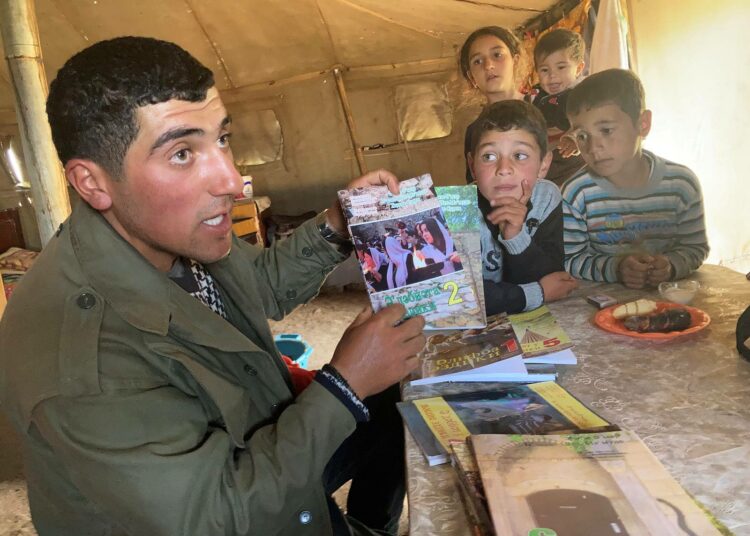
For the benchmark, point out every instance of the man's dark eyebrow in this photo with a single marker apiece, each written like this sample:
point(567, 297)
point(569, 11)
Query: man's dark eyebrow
point(184, 132)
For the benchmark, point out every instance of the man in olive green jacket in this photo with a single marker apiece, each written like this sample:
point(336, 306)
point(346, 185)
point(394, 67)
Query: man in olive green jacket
point(137, 361)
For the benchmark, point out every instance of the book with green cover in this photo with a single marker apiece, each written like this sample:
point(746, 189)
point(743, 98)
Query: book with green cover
point(463, 217)
point(539, 333)
point(540, 408)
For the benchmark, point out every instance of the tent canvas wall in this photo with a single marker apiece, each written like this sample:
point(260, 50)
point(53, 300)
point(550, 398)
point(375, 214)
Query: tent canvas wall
point(274, 64)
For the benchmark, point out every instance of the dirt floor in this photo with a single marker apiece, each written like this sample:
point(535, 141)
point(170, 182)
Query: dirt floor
point(321, 324)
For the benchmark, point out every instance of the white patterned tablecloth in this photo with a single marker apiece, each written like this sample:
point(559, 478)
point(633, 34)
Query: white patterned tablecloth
point(688, 399)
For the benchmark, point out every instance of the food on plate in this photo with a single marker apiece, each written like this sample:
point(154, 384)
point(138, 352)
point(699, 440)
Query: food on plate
point(638, 307)
point(676, 319)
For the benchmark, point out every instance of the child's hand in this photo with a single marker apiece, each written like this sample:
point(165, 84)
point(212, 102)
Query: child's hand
point(557, 285)
point(661, 270)
point(567, 147)
point(633, 270)
point(510, 213)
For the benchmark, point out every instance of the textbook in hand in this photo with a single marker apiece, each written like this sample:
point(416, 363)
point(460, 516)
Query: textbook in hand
point(408, 256)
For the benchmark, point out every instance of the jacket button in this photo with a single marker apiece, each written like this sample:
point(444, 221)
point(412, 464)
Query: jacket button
point(305, 517)
point(291, 294)
point(250, 370)
point(306, 251)
point(86, 300)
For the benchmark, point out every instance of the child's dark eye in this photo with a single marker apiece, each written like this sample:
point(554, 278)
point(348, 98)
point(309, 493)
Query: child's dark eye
point(581, 137)
point(477, 61)
point(607, 131)
point(224, 139)
point(498, 54)
point(521, 156)
point(488, 157)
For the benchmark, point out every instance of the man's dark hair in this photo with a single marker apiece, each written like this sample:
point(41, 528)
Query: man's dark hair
point(613, 86)
point(506, 36)
point(509, 114)
point(560, 39)
point(93, 100)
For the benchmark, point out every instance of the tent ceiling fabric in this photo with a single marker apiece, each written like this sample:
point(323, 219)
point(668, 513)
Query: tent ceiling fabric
point(259, 41)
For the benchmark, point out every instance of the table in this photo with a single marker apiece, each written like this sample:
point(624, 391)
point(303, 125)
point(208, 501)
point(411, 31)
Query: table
point(688, 399)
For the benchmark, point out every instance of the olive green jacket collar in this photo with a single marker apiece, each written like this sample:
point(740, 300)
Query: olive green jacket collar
point(114, 268)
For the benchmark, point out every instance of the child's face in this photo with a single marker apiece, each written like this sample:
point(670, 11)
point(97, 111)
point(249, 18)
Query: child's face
point(502, 160)
point(491, 65)
point(608, 140)
point(558, 72)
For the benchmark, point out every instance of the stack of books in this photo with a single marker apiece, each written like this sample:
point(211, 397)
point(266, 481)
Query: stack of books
point(516, 348)
point(532, 459)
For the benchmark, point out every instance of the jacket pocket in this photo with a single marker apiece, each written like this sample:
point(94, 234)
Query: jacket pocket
point(232, 400)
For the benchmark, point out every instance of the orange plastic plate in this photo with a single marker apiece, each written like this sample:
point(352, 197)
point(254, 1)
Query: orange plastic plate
point(699, 320)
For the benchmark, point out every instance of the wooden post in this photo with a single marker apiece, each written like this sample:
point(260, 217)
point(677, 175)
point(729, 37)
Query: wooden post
point(350, 120)
point(24, 57)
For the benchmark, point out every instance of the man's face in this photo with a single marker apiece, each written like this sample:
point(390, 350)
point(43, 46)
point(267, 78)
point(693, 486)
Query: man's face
point(503, 160)
point(558, 71)
point(607, 138)
point(179, 182)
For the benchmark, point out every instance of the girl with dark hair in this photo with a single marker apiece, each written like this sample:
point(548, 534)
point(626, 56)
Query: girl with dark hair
point(489, 59)
point(438, 245)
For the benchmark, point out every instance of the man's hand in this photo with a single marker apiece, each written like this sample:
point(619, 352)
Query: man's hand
point(375, 353)
point(510, 213)
point(374, 178)
point(633, 270)
point(661, 270)
point(557, 285)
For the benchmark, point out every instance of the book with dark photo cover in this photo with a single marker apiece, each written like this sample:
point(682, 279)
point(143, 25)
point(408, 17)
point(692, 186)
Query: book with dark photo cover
point(539, 408)
point(484, 354)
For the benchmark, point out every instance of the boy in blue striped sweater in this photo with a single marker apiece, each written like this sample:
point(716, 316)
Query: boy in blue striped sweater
point(629, 216)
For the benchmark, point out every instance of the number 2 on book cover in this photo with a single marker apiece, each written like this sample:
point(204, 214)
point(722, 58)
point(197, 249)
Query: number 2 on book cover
point(454, 299)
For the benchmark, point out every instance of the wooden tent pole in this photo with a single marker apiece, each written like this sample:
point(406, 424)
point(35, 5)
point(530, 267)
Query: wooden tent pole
point(23, 54)
point(350, 120)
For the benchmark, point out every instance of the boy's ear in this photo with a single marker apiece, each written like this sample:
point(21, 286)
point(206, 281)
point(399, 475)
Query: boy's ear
point(90, 181)
point(470, 162)
point(544, 168)
point(579, 68)
point(644, 123)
